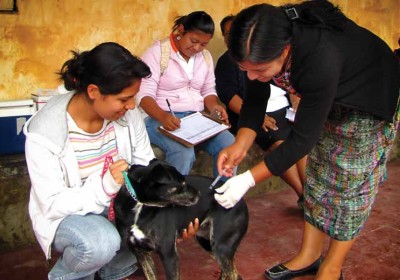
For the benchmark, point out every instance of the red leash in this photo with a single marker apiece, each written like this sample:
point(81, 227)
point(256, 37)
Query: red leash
point(111, 214)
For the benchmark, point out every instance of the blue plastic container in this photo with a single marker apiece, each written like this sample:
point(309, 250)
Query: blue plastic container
point(13, 116)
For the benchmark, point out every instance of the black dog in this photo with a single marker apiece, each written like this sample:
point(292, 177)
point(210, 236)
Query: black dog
point(166, 203)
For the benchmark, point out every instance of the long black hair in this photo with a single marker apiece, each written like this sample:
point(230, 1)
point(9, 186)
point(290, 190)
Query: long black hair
point(224, 21)
point(260, 32)
point(195, 21)
point(109, 66)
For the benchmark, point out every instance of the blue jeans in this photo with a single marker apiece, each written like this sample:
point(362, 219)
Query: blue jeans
point(88, 244)
point(182, 157)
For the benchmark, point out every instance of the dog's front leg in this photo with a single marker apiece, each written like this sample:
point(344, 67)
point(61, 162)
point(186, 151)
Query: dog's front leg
point(170, 260)
point(147, 264)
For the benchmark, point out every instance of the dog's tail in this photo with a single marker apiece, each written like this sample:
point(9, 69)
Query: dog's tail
point(138, 239)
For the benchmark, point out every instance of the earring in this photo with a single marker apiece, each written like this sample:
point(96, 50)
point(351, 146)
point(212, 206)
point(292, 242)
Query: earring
point(178, 37)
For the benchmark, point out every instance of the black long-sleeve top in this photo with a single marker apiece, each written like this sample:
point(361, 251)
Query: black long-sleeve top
point(229, 81)
point(352, 68)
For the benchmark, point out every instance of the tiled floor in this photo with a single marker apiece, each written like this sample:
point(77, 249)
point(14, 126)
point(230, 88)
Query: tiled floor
point(274, 235)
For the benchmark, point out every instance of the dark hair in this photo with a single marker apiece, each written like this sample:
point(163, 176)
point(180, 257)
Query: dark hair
point(260, 32)
point(224, 21)
point(195, 21)
point(109, 66)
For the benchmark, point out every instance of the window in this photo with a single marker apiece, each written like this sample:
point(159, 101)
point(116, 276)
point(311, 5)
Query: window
point(8, 6)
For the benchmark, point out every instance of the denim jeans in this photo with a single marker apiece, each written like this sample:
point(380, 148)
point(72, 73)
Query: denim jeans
point(182, 157)
point(88, 244)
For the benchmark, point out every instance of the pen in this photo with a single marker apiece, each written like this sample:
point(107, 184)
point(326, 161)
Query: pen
point(169, 106)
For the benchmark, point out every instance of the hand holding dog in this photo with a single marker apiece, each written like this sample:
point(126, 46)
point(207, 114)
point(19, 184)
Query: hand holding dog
point(234, 189)
point(190, 231)
point(116, 170)
point(113, 178)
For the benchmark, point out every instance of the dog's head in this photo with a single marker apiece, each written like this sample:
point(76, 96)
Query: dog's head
point(160, 184)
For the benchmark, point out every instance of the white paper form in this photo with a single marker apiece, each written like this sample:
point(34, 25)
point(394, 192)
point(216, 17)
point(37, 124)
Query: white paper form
point(196, 128)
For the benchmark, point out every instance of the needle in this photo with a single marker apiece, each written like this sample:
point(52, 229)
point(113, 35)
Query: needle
point(216, 180)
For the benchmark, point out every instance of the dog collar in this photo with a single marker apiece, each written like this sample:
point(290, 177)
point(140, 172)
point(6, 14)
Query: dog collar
point(129, 186)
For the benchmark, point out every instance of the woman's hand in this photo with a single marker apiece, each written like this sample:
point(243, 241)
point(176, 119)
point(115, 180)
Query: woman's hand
point(190, 231)
point(234, 189)
point(232, 155)
point(213, 105)
point(116, 170)
point(219, 112)
point(269, 123)
point(295, 100)
point(169, 122)
point(229, 158)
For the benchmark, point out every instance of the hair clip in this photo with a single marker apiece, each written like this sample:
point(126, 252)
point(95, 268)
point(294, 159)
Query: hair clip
point(292, 13)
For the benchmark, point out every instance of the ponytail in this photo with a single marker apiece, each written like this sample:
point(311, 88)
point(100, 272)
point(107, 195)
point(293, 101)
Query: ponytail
point(109, 66)
point(71, 71)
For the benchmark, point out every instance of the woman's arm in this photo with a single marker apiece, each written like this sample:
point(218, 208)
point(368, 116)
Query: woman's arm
point(317, 81)
point(50, 190)
point(167, 120)
point(229, 82)
point(235, 104)
point(146, 96)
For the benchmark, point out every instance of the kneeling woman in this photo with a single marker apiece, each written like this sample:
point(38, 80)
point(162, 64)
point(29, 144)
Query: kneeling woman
point(76, 149)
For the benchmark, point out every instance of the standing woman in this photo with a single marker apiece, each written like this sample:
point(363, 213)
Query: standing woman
point(230, 85)
point(182, 73)
point(346, 121)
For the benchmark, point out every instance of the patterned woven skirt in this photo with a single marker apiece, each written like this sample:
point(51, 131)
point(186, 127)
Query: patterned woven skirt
point(345, 169)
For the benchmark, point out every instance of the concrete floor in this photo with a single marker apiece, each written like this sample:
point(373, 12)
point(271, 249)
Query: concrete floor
point(274, 235)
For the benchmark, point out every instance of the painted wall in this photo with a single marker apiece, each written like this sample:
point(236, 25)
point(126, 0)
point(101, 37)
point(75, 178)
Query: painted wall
point(36, 41)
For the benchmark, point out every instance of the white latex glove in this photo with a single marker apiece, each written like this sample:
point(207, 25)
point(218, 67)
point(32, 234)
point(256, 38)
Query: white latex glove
point(234, 189)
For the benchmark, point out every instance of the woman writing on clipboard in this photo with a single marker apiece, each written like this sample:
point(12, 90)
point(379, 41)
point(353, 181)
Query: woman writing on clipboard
point(182, 72)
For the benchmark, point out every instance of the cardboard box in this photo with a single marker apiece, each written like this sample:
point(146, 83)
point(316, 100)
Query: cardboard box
point(13, 116)
point(41, 97)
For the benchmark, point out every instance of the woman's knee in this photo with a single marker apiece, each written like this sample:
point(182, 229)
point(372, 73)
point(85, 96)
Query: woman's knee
point(214, 146)
point(106, 245)
point(87, 242)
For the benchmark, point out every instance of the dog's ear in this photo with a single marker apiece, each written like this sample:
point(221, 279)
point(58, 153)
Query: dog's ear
point(158, 171)
point(165, 173)
point(136, 172)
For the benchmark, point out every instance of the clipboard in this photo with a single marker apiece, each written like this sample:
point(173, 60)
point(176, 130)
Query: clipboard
point(195, 128)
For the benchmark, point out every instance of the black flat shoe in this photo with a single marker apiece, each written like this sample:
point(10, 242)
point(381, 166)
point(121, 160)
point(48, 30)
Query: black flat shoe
point(281, 272)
